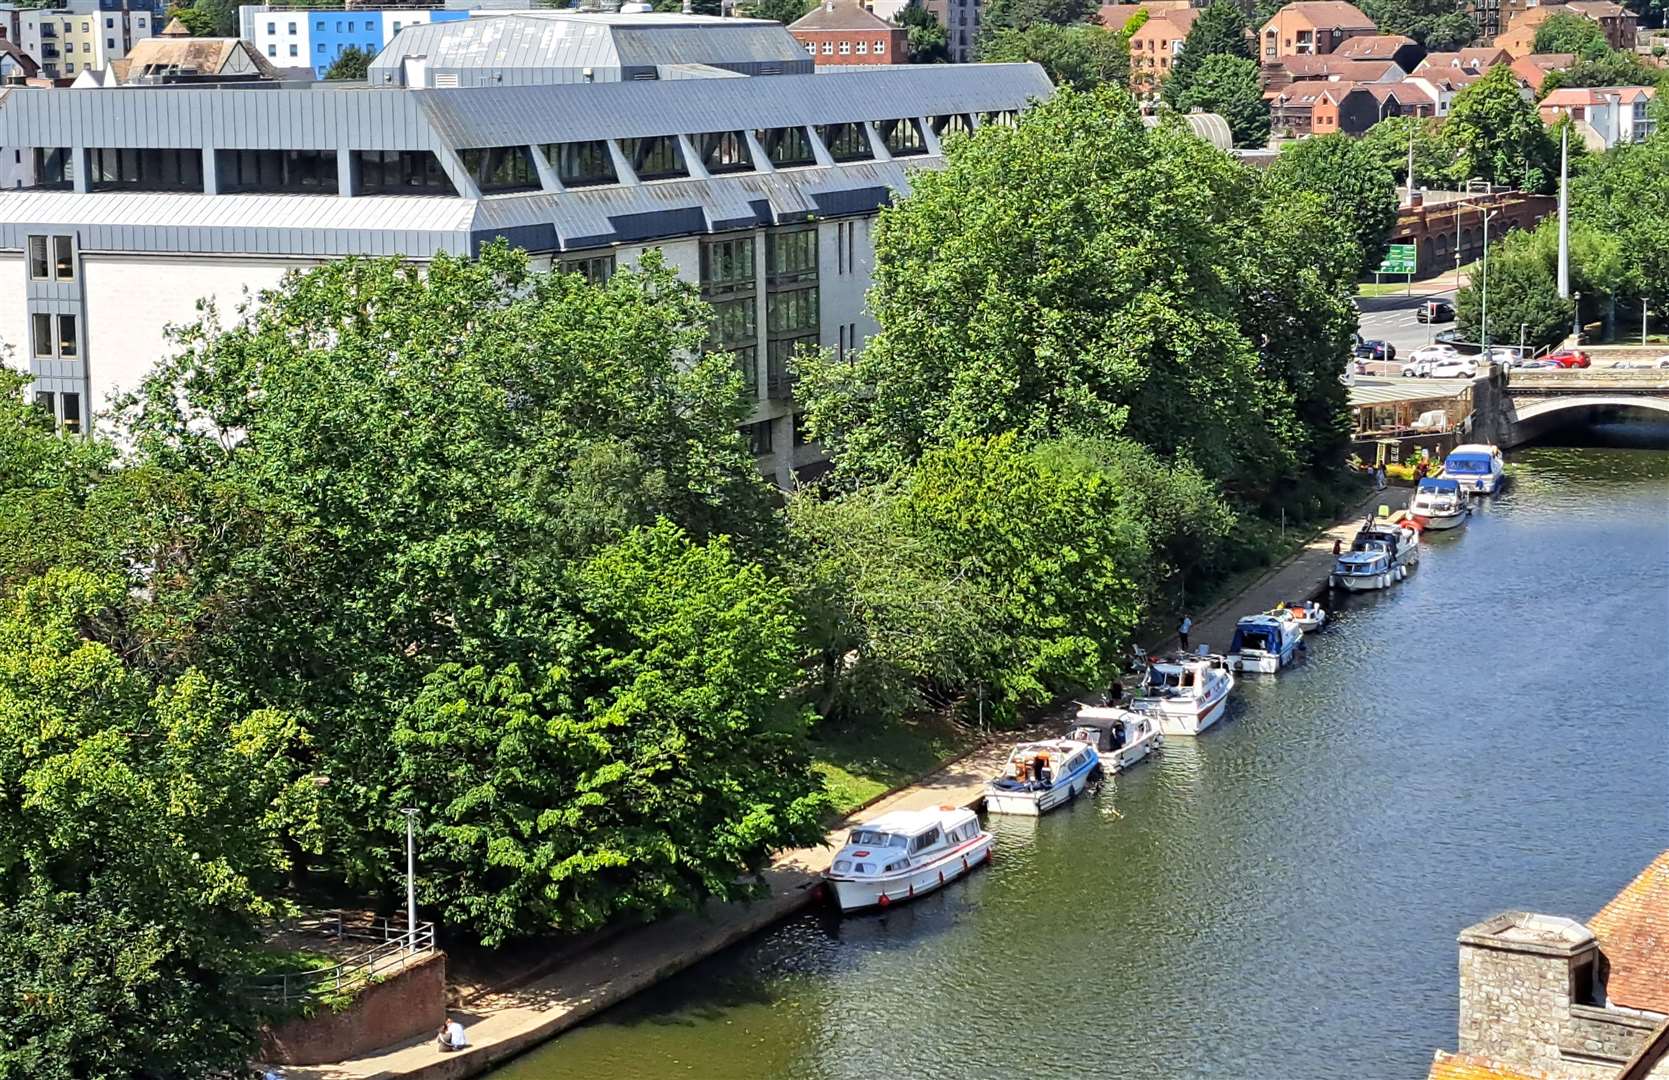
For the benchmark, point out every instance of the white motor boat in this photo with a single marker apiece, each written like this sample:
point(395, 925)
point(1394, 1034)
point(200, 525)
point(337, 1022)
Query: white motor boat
point(1309, 615)
point(906, 854)
point(1381, 555)
point(1265, 643)
point(1121, 736)
point(1439, 503)
point(1476, 467)
point(1185, 694)
point(1042, 775)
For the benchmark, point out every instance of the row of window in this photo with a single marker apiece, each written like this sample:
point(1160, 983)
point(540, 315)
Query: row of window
point(48, 345)
point(50, 403)
point(847, 49)
point(51, 258)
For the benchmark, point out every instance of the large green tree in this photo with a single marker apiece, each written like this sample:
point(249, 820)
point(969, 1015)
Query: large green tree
point(1438, 25)
point(1020, 14)
point(782, 11)
point(1230, 86)
point(1388, 143)
point(1611, 68)
point(928, 39)
point(1358, 190)
point(1220, 30)
point(1498, 136)
point(1524, 296)
point(1569, 32)
point(352, 64)
point(1081, 56)
point(1621, 194)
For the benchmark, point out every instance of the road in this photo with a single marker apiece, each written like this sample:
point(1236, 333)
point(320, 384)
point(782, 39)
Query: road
point(1391, 318)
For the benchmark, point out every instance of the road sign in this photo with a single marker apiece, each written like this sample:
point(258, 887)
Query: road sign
point(1399, 259)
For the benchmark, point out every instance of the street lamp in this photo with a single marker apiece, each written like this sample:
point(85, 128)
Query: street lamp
point(411, 879)
point(1522, 328)
point(1576, 315)
point(1484, 330)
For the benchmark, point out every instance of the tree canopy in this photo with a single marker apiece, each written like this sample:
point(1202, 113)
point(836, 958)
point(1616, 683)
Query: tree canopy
point(1082, 56)
point(929, 41)
point(1611, 68)
point(1437, 25)
point(1231, 87)
point(1358, 189)
point(1220, 30)
point(1435, 153)
point(1569, 32)
point(1523, 294)
point(1499, 137)
point(1621, 194)
point(782, 11)
point(352, 64)
point(207, 18)
point(1021, 14)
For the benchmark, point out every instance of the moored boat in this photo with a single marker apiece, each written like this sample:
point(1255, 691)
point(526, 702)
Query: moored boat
point(1039, 776)
point(1381, 555)
point(905, 854)
point(1265, 643)
point(1476, 467)
point(1309, 615)
point(1439, 503)
point(1121, 736)
point(1185, 694)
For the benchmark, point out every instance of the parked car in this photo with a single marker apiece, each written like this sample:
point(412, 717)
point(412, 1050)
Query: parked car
point(1373, 349)
point(1428, 353)
point(1569, 358)
point(1451, 338)
point(1435, 311)
point(1535, 365)
point(1506, 356)
point(1439, 365)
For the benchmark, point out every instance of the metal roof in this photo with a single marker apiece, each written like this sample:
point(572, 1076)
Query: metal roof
point(1366, 391)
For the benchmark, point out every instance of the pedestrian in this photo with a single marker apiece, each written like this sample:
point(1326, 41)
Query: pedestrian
point(1379, 478)
point(1182, 630)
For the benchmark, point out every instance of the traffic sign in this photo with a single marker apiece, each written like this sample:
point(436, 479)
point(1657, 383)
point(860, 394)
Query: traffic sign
point(1399, 259)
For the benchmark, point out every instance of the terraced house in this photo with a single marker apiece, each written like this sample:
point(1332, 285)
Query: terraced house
point(585, 139)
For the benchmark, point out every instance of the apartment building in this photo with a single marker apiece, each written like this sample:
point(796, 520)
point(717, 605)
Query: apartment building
point(839, 33)
point(961, 20)
point(1155, 46)
point(1312, 27)
point(80, 35)
point(586, 143)
point(1605, 115)
point(300, 37)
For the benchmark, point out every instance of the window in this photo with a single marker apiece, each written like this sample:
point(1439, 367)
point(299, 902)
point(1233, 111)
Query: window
point(54, 167)
point(320, 48)
point(791, 256)
point(292, 49)
point(116, 169)
point(401, 172)
point(40, 338)
point(657, 157)
point(903, 137)
point(110, 43)
point(724, 152)
point(758, 437)
point(786, 147)
point(110, 24)
point(846, 142)
point(596, 269)
point(846, 48)
point(72, 412)
point(925, 840)
point(396, 26)
point(319, 24)
point(66, 336)
point(791, 325)
point(582, 164)
point(293, 27)
point(729, 284)
point(69, 69)
point(84, 27)
point(63, 258)
point(502, 168)
point(272, 50)
point(46, 401)
point(727, 267)
point(828, 48)
point(301, 171)
point(801, 436)
point(880, 47)
point(811, 47)
point(338, 26)
point(39, 269)
point(952, 122)
point(863, 48)
point(272, 28)
point(350, 27)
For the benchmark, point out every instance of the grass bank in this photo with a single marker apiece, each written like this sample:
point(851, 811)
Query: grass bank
point(860, 761)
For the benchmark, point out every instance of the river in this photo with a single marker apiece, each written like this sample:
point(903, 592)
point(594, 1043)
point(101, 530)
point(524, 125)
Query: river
point(1279, 899)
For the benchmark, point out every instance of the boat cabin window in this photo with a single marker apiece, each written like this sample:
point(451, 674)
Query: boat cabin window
point(925, 840)
point(1469, 465)
point(871, 838)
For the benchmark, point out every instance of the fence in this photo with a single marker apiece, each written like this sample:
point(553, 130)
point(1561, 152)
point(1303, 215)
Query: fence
point(394, 946)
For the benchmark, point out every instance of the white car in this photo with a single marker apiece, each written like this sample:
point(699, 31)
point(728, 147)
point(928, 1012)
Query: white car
point(1504, 356)
point(1449, 367)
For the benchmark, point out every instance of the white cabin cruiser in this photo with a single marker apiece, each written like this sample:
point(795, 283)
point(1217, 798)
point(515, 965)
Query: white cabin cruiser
point(906, 854)
point(1185, 694)
point(1040, 776)
point(1381, 555)
point(1439, 503)
point(1309, 615)
point(1265, 643)
point(1121, 736)
point(1475, 467)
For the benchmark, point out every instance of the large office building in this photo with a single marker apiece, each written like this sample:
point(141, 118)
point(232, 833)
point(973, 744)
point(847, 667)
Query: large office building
point(582, 139)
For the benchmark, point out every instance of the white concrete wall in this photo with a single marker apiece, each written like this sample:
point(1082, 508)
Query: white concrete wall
point(131, 301)
point(14, 313)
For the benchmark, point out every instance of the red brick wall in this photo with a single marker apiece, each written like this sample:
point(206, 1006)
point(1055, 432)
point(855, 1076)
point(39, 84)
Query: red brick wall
point(895, 42)
point(409, 1004)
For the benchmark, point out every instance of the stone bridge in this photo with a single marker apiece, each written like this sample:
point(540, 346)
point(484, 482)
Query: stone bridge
point(1517, 407)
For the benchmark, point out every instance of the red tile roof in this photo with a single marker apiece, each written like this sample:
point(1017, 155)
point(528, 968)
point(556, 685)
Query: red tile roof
point(1472, 1067)
point(1310, 67)
point(840, 15)
point(1633, 933)
point(1373, 47)
point(1330, 13)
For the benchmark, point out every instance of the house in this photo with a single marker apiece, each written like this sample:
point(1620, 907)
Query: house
point(1549, 998)
point(1291, 69)
point(1476, 60)
point(1402, 99)
point(1115, 16)
point(1603, 115)
point(175, 57)
point(1442, 84)
point(1618, 23)
point(1534, 69)
point(840, 32)
point(1312, 27)
point(15, 64)
point(1323, 108)
point(1405, 52)
point(1155, 47)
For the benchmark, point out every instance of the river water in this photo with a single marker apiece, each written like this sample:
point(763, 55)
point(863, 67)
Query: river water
point(1280, 898)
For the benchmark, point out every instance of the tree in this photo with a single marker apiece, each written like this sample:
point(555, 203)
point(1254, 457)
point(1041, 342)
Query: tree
point(1360, 193)
point(1499, 137)
point(642, 761)
point(1614, 68)
point(137, 842)
point(1082, 57)
point(1038, 285)
point(929, 41)
point(1437, 25)
point(1230, 87)
point(1387, 143)
point(393, 470)
point(1621, 194)
point(1220, 30)
point(782, 11)
point(208, 18)
point(706, 7)
point(1523, 293)
point(352, 64)
point(1568, 32)
point(1021, 14)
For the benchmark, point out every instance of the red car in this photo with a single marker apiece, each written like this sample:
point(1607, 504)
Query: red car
point(1569, 358)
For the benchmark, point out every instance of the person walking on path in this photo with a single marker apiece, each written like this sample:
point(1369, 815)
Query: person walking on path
point(1379, 478)
point(1182, 631)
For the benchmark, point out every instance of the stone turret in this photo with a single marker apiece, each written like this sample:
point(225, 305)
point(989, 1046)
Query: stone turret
point(1519, 976)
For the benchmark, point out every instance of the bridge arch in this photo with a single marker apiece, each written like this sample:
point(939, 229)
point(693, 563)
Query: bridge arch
point(1538, 416)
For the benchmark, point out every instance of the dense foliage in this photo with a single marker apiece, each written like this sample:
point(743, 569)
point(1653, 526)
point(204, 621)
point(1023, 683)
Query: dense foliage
point(1498, 135)
point(1081, 56)
point(1568, 32)
point(1358, 189)
point(207, 18)
point(929, 41)
point(1220, 30)
point(1613, 67)
point(1230, 87)
point(782, 11)
point(1438, 25)
point(1524, 301)
point(352, 64)
point(1020, 14)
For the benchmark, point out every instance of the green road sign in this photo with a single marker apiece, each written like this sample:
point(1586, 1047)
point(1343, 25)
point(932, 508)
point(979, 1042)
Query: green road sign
point(1398, 260)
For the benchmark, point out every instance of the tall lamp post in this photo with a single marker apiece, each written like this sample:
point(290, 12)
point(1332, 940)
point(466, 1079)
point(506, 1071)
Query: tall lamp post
point(1484, 330)
point(411, 878)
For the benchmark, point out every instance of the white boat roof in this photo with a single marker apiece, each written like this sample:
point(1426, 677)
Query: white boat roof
point(1105, 713)
point(1260, 619)
point(1064, 745)
point(1475, 448)
point(911, 822)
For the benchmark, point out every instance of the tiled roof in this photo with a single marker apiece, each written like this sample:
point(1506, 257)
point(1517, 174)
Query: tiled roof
point(1329, 13)
point(1168, 25)
point(1633, 933)
point(1115, 16)
point(1373, 46)
point(1472, 1067)
point(1595, 95)
point(1404, 92)
point(840, 15)
point(1597, 9)
point(1309, 67)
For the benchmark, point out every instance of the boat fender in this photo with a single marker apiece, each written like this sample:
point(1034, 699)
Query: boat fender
point(912, 888)
point(941, 877)
point(884, 901)
point(964, 862)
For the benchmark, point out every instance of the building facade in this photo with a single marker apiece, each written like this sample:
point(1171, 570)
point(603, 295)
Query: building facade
point(1312, 28)
point(1604, 116)
point(1155, 46)
point(294, 37)
point(80, 35)
point(763, 189)
point(961, 20)
point(839, 33)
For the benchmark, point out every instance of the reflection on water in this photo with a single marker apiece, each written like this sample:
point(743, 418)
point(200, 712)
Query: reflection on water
point(1281, 896)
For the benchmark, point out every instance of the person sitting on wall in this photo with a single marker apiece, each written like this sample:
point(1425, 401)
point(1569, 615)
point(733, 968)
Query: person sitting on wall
point(451, 1036)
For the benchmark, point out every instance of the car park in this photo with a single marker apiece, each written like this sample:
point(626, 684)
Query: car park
point(1373, 349)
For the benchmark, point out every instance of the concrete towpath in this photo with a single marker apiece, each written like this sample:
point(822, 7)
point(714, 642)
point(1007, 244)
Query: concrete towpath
point(503, 1025)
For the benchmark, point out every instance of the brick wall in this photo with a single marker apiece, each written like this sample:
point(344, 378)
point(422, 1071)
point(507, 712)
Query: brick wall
point(409, 1004)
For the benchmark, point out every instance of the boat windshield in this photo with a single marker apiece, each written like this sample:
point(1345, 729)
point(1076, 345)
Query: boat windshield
point(1436, 486)
point(1468, 464)
point(1160, 680)
point(871, 838)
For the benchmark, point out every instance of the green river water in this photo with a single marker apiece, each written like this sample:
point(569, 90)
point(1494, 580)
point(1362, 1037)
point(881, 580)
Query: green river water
point(1280, 898)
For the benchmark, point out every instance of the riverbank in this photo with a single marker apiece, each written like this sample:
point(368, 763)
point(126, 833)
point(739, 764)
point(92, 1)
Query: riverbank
point(503, 1025)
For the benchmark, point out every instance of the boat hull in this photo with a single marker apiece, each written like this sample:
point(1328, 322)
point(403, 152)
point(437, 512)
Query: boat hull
point(1116, 761)
point(1038, 803)
point(1442, 521)
point(863, 894)
point(1262, 663)
point(1176, 721)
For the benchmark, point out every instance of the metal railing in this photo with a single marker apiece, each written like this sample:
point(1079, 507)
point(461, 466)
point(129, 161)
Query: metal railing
point(395, 945)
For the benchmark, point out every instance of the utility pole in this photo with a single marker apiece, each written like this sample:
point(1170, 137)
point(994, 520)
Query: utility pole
point(411, 880)
point(1484, 330)
point(1564, 213)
